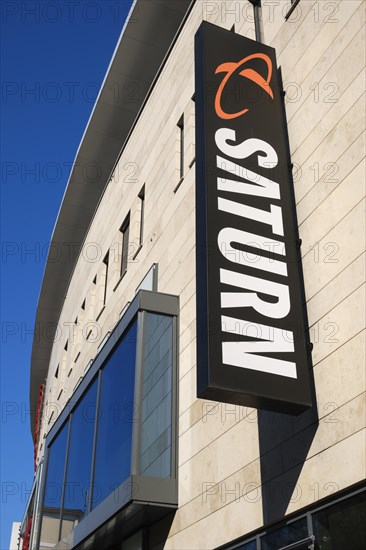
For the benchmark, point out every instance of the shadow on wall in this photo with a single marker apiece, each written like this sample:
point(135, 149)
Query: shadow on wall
point(284, 443)
point(284, 440)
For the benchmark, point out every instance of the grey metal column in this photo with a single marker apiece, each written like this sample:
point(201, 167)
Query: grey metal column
point(257, 19)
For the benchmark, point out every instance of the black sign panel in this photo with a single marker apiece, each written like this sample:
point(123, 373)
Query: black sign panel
point(251, 328)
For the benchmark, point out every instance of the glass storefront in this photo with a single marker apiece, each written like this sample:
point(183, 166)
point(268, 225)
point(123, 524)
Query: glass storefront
point(293, 532)
point(335, 526)
point(119, 432)
point(342, 525)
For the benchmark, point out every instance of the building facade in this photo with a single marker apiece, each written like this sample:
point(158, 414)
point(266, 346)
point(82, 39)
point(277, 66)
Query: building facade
point(14, 537)
point(126, 455)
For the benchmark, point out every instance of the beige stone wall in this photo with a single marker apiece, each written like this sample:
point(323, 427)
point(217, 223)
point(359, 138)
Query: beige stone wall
point(224, 450)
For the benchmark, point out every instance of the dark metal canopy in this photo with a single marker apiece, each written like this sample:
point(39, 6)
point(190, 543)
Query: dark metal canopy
point(146, 39)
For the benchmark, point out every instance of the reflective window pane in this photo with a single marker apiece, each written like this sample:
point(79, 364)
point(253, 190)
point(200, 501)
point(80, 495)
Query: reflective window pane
point(341, 525)
point(53, 489)
point(293, 532)
point(134, 542)
point(116, 408)
point(247, 546)
point(156, 417)
point(77, 486)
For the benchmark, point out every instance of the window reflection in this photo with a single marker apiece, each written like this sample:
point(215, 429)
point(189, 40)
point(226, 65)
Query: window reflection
point(293, 532)
point(133, 543)
point(77, 486)
point(53, 490)
point(116, 408)
point(341, 525)
point(248, 546)
point(156, 421)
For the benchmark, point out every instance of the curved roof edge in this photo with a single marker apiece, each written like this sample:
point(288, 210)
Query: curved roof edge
point(149, 33)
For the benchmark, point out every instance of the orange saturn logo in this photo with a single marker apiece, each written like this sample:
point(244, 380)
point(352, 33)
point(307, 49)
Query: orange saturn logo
point(230, 68)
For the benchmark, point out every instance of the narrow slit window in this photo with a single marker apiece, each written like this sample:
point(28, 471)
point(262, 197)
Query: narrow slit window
point(125, 230)
point(106, 263)
point(141, 196)
point(50, 419)
point(294, 3)
point(181, 146)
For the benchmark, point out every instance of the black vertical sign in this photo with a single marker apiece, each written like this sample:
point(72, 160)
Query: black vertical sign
point(251, 328)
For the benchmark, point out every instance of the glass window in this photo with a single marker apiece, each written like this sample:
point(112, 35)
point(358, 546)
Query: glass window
point(342, 525)
point(248, 546)
point(53, 489)
point(102, 422)
point(134, 542)
point(149, 282)
point(125, 230)
point(293, 5)
point(116, 407)
point(288, 534)
point(77, 486)
point(142, 214)
point(156, 421)
point(106, 263)
point(181, 146)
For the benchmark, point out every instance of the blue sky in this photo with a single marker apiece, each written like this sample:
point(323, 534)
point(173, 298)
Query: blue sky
point(54, 57)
